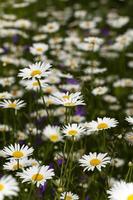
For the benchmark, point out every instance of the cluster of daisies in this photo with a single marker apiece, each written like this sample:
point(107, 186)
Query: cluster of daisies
point(66, 100)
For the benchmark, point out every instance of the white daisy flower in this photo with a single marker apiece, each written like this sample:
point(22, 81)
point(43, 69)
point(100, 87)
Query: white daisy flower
point(5, 95)
point(48, 99)
point(129, 138)
point(117, 162)
point(34, 85)
point(5, 128)
point(99, 91)
point(94, 160)
point(23, 23)
point(13, 165)
point(33, 162)
point(68, 196)
point(129, 120)
point(8, 187)
point(36, 174)
point(17, 151)
point(102, 124)
point(74, 130)
point(37, 70)
point(50, 27)
point(94, 43)
point(38, 48)
point(68, 100)
point(7, 81)
point(87, 24)
point(53, 133)
point(121, 191)
point(14, 104)
point(118, 22)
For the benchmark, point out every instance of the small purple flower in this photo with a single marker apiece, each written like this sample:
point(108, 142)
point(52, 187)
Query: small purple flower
point(15, 39)
point(26, 48)
point(72, 81)
point(87, 198)
point(38, 140)
point(80, 110)
point(6, 50)
point(60, 162)
point(51, 166)
point(105, 32)
point(21, 142)
point(43, 188)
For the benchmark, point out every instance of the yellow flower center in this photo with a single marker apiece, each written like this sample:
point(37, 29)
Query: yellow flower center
point(49, 101)
point(69, 104)
point(102, 126)
point(50, 26)
point(68, 198)
point(35, 72)
point(66, 97)
point(54, 138)
point(17, 166)
point(94, 162)
point(1, 187)
point(34, 163)
point(130, 197)
point(130, 137)
point(39, 49)
point(37, 177)
point(35, 83)
point(2, 96)
point(49, 90)
point(17, 154)
point(72, 132)
point(12, 105)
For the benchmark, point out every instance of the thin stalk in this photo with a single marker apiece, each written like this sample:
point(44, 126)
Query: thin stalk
point(66, 120)
point(44, 103)
point(128, 174)
point(30, 192)
point(63, 164)
point(68, 159)
point(70, 165)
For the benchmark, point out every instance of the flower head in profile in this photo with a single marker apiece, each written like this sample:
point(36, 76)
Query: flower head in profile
point(68, 196)
point(38, 70)
point(94, 43)
point(8, 187)
point(68, 100)
point(129, 138)
point(99, 91)
point(5, 95)
point(94, 160)
point(129, 120)
point(17, 151)
point(12, 104)
point(102, 124)
point(37, 175)
point(121, 191)
point(33, 84)
point(13, 165)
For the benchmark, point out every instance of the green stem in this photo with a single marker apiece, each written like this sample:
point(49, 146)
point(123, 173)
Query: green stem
point(63, 164)
point(44, 103)
point(66, 121)
point(128, 174)
point(30, 192)
point(67, 164)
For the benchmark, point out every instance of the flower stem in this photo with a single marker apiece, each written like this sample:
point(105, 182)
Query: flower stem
point(44, 103)
point(30, 192)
